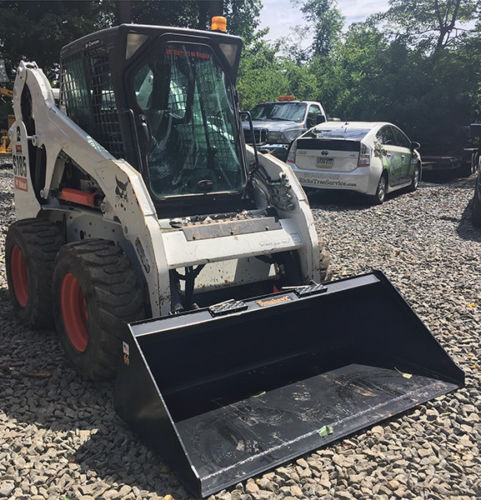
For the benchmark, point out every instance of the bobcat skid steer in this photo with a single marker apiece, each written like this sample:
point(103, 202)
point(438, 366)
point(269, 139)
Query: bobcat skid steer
point(167, 253)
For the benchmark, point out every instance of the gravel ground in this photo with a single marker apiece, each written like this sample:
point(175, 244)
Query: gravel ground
point(62, 439)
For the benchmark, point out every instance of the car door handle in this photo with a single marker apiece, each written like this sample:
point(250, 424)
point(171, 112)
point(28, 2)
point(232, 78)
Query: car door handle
point(403, 156)
point(388, 155)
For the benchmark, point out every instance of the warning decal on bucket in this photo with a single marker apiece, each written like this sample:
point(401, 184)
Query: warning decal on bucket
point(275, 300)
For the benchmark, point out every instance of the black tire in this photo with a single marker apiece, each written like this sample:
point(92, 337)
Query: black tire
point(380, 196)
point(415, 178)
point(470, 166)
point(476, 206)
point(30, 250)
point(104, 292)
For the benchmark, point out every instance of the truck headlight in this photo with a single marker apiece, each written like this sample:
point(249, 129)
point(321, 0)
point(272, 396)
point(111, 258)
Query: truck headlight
point(290, 135)
point(274, 137)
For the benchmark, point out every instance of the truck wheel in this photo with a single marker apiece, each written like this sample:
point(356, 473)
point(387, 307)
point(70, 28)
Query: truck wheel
point(30, 251)
point(94, 290)
point(378, 198)
point(415, 178)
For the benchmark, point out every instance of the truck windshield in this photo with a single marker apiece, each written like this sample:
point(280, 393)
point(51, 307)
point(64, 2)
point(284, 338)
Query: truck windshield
point(288, 111)
point(187, 104)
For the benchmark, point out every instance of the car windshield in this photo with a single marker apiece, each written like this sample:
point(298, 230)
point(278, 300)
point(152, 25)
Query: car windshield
point(353, 134)
point(288, 111)
point(187, 104)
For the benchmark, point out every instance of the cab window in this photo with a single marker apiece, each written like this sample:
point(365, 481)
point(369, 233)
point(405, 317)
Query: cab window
point(314, 116)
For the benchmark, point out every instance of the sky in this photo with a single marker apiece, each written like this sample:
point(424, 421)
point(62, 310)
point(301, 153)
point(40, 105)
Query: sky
point(280, 15)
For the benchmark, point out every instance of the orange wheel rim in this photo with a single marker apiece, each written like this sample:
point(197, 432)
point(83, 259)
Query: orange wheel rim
point(74, 312)
point(18, 272)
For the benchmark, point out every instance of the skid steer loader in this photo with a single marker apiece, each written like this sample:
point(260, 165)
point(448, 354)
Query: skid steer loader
point(168, 253)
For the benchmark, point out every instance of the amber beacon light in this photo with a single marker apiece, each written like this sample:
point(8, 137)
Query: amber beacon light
point(218, 23)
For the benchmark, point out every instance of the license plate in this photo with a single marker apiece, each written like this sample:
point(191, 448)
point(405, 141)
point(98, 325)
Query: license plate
point(325, 162)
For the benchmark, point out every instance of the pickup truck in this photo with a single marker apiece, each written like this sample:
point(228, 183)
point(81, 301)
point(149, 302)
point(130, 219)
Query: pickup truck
point(277, 123)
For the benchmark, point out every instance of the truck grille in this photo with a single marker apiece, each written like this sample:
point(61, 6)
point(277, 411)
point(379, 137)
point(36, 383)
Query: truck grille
point(260, 135)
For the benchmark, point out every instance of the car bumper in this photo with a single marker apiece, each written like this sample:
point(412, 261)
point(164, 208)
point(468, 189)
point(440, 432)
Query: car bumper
point(362, 179)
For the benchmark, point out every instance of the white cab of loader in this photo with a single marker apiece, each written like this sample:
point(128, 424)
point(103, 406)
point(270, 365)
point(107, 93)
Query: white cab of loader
point(145, 153)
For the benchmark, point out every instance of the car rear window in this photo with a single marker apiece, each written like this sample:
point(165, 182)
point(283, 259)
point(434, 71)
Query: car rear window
point(329, 144)
point(353, 134)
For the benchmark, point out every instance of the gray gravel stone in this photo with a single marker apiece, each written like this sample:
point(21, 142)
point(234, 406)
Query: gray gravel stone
point(62, 439)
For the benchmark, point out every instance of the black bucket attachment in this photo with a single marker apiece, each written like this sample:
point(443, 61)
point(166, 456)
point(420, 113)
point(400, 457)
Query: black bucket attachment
point(228, 392)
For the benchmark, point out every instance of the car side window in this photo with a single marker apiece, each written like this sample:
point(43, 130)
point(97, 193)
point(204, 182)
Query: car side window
point(313, 116)
point(400, 138)
point(385, 136)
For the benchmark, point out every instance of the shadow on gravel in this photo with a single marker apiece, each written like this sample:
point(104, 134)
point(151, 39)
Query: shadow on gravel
point(38, 388)
point(465, 228)
point(333, 200)
point(445, 179)
point(118, 454)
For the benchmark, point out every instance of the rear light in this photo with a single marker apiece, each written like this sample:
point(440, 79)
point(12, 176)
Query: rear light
point(364, 156)
point(291, 157)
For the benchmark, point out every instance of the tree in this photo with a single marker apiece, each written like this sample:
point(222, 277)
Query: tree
point(327, 24)
point(431, 24)
point(261, 76)
point(37, 30)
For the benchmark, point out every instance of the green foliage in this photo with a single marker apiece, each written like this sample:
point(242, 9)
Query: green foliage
point(327, 22)
point(261, 76)
point(37, 30)
point(414, 74)
point(431, 24)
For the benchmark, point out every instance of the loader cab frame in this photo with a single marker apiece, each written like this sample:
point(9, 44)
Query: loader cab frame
point(185, 136)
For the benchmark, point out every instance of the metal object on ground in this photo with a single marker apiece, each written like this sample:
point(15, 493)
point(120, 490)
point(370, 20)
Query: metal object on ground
point(225, 397)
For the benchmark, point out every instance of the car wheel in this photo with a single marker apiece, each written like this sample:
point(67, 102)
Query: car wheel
point(476, 206)
point(415, 178)
point(380, 195)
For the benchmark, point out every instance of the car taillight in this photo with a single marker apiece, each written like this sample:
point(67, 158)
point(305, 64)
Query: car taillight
point(291, 157)
point(364, 156)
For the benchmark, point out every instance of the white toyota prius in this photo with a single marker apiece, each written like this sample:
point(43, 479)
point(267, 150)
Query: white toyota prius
point(373, 158)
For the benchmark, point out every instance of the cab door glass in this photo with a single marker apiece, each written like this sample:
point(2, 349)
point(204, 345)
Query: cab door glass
point(188, 108)
point(313, 116)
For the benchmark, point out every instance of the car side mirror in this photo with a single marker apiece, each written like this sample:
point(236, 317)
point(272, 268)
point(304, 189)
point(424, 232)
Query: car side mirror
point(415, 145)
point(320, 119)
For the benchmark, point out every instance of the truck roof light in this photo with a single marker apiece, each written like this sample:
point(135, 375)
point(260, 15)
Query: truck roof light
point(286, 98)
point(218, 23)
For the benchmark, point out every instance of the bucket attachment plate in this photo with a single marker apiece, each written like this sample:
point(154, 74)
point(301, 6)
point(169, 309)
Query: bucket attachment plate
point(225, 396)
